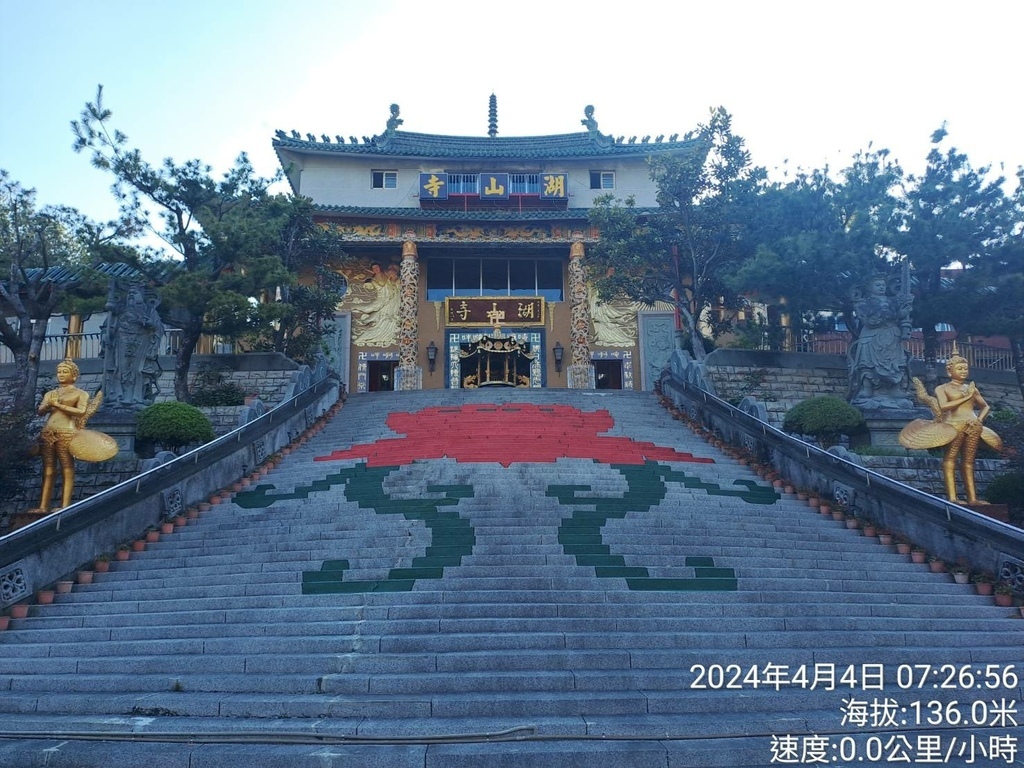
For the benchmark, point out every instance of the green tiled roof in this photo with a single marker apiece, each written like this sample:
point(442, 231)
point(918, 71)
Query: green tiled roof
point(428, 145)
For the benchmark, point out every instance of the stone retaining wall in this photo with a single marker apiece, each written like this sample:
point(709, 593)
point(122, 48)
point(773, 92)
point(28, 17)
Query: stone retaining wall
point(269, 375)
point(266, 375)
point(925, 472)
point(780, 380)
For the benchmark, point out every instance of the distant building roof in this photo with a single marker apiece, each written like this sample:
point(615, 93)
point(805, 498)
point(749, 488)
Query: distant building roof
point(396, 143)
point(428, 145)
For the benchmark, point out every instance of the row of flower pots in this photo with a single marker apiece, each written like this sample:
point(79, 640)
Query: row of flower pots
point(985, 583)
point(167, 526)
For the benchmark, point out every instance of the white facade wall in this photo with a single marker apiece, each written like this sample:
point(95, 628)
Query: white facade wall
point(346, 180)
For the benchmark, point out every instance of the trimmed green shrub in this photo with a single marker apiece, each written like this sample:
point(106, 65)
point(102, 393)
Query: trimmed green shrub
point(174, 425)
point(1007, 489)
point(211, 388)
point(825, 418)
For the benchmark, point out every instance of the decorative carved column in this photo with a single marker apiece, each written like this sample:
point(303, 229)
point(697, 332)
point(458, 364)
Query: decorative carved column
point(580, 370)
point(410, 375)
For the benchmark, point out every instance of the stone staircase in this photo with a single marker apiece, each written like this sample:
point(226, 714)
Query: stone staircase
point(528, 578)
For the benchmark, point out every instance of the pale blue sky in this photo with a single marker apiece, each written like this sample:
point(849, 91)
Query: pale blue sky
point(811, 82)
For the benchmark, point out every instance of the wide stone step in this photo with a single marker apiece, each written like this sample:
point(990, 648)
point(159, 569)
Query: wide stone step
point(208, 628)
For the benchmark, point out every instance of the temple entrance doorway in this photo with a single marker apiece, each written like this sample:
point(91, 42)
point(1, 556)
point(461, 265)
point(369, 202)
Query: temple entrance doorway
point(608, 374)
point(380, 375)
point(495, 361)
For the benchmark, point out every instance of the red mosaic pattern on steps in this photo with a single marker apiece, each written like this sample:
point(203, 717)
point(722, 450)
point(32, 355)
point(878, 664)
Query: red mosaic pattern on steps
point(505, 434)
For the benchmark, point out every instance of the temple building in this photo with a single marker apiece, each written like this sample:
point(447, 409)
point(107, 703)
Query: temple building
point(468, 256)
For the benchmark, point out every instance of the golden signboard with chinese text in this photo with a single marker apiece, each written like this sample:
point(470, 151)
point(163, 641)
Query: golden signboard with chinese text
point(512, 311)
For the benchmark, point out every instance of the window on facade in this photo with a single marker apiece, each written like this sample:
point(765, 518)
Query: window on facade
point(494, 277)
point(602, 179)
point(384, 179)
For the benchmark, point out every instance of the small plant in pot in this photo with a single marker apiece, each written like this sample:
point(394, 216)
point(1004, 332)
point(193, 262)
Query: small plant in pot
point(918, 555)
point(983, 582)
point(936, 564)
point(1003, 594)
point(961, 573)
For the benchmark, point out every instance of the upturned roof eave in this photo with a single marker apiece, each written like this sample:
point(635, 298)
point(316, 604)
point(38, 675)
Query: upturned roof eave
point(439, 147)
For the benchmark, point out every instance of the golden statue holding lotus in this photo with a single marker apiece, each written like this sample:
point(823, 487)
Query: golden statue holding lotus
point(64, 436)
point(959, 411)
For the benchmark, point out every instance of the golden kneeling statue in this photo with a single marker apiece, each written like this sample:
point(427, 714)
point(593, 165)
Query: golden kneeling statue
point(64, 437)
point(957, 425)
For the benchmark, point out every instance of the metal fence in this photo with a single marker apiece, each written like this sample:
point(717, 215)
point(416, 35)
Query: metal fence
point(82, 346)
point(978, 355)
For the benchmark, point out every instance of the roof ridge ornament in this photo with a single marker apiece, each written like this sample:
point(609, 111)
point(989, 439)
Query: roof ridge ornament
point(393, 122)
point(590, 124)
point(492, 116)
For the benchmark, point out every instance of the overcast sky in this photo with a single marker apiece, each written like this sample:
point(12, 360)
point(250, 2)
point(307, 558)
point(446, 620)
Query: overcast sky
point(806, 82)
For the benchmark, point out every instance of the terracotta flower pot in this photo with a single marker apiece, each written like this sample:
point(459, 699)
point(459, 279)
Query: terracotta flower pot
point(101, 566)
point(64, 587)
point(837, 514)
point(814, 502)
point(885, 538)
point(122, 554)
point(1004, 601)
point(152, 536)
point(84, 577)
point(903, 548)
point(139, 545)
point(801, 496)
point(983, 588)
point(916, 556)
point(45, 596)
point(180, 521)
point(166, 527)
point(19, 611)
point(192, 513)
point(852, 523)
point(937, 566)
point(4, 622)
point(869, 531)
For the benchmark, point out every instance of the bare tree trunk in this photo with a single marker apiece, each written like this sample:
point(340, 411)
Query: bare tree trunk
point(931, 347)
point(183, 360)
point(1017, 345)
point(26, 364)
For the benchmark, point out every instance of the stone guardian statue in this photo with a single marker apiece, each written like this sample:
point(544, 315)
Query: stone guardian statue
point(132, 335)
point(879, 366)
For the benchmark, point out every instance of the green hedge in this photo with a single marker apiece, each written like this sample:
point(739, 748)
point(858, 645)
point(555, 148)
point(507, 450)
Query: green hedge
point(174, 425)
point(825, 418)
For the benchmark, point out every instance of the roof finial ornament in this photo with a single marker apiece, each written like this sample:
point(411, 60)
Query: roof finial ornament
point(393, 122)
point(590, 123)
point(492, 117)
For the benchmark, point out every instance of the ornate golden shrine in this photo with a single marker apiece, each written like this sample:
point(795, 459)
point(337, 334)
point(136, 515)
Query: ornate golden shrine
point(496, 361)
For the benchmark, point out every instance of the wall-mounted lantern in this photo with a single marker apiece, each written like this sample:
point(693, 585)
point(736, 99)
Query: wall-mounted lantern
point(431, 357)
